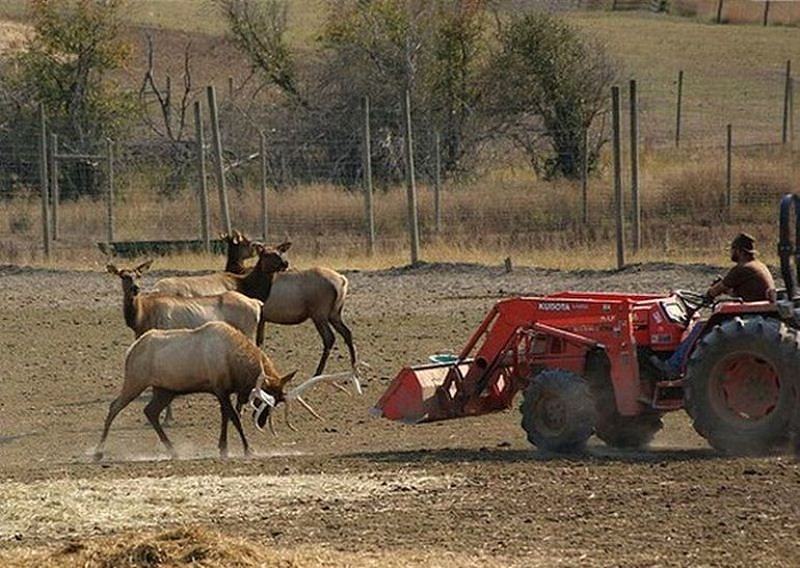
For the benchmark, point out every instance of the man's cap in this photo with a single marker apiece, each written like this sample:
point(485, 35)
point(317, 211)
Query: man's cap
point(744, 242)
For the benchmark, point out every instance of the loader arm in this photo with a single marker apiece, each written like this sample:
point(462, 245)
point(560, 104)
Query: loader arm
point(517, 338)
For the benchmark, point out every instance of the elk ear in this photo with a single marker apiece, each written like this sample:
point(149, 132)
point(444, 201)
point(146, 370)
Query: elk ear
point(286, 378)
point(144, 267)
point(112, 269)
point(283, 247)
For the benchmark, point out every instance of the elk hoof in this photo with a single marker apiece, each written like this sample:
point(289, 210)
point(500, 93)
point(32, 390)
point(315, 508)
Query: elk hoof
point(98, 455)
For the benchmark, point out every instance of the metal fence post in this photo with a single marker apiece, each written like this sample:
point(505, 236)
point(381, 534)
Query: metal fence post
point(437, 181)
point(729, 170)
point(264, 174)
point(367, 169)
point(205, 225)
point(635, 203)
point(55, 191)
point(220, 169)
point(787, 95)
point(110, 188)
point(678, 110)
point(618, 196)
point(413, 221)
point(43, 179)
point(585, 176)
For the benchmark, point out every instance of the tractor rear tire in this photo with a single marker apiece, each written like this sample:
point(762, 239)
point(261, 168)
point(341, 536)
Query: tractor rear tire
point(558, 411)
point(741, 382)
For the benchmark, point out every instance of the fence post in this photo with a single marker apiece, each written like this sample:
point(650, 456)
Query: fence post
point(585, 176)
point(110, 188)
point(217, 141)
point(205, 225)
point(678, 110)
point(43, 179)
point(791, 111)
point(766, 12)
point(437, 181)
point(413, 222)
point(55, 191)
point(719, 11)
point(367, 173)
point(264, 174)
point(635, 202)
point(729, 171)
point(618, 197)
point(787, 95)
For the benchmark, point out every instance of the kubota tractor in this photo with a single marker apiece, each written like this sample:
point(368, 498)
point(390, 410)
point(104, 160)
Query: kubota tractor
point(582, 361)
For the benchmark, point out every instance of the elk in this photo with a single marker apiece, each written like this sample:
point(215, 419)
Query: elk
point(240, 248)
point(296, 295)
point(144, 312)
point(214, 358)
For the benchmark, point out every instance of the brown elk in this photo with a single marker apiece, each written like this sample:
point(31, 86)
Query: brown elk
point(296, 295)
point(214, 358)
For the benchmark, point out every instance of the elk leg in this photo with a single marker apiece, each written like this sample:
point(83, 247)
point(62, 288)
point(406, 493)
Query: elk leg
point(161, 398)
point(339, 325)
point(227, 407)
point(328, 339)
point(123, 400)
point(262, 320)
point(223, 429)
point(167, 420)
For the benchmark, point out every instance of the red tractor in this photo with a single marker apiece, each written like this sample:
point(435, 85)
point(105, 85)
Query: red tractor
point(582, 361)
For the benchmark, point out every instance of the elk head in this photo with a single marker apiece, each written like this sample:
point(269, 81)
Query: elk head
point(129, 276)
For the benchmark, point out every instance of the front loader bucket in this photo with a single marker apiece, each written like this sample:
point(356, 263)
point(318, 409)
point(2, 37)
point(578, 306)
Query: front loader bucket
point(412, 396)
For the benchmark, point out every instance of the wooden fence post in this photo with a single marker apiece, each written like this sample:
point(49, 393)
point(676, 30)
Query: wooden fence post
point(205, 225)
point(220, 169)
point(729, 171)
point(110, 188)
point(367, 173)
point(585, 176)
point(55, 191)
point(437, 181)
point(618, 196)
point(413, 221)
point(766, 12)
point(43, 179)
point(635, 202)
point(719, 11)
point(787, 95)
point(264, 182)
point(678, 110)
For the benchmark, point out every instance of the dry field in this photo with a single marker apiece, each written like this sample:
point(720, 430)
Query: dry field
point(351, 490)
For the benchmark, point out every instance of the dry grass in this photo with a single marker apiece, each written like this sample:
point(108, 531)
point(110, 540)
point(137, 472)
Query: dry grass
point(507, 212)
point(204, 547)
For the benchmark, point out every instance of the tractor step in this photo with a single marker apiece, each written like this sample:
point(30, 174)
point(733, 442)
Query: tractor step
point(668, 395)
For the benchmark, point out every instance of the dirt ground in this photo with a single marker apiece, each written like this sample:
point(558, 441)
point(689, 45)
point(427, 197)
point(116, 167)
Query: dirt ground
point(352, 490)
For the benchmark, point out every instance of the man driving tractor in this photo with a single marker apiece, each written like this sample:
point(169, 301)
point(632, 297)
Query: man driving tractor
point(749, 279)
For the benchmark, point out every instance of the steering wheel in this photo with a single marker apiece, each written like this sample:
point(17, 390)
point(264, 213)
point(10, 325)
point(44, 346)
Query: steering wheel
point(693, 301)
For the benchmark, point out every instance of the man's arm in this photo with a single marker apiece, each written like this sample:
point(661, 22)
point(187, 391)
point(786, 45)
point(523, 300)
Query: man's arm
point(717, 289)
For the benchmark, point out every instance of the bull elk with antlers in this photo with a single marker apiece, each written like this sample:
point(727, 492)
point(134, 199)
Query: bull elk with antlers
point(214, 358)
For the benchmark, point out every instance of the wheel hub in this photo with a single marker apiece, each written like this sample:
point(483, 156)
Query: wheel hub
point(748, 386)
point(551, 413)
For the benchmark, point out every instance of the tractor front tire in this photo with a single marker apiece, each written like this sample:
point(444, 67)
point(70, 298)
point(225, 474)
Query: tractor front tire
point(558, 411)
point(741, 382)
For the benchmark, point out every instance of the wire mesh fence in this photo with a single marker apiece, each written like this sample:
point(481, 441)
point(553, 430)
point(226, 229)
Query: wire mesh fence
point(314, 185)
